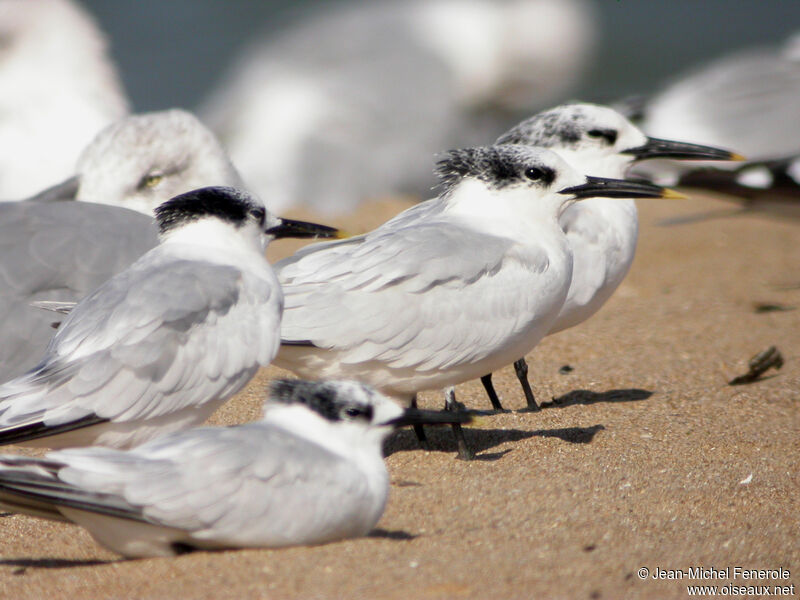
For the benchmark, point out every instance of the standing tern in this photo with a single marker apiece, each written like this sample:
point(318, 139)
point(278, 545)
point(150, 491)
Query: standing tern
point(601, 232)
point(309, 472)
point(63, 250)
point(161, 345)
point(446, 293)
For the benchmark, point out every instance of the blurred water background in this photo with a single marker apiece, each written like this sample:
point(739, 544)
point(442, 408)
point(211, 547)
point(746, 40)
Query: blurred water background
point(172, 53)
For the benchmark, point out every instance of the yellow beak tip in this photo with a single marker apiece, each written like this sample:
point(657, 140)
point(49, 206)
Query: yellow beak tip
point(478, 421)
point(342, 235)
point(738, 157)
point(673, 194)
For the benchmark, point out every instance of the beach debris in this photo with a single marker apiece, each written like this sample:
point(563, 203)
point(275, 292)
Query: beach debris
point(760, 364)
point(767, 307)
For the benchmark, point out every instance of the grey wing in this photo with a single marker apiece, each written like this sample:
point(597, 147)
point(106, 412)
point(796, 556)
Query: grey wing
point(238, 484)
point(162, 336)
point(316, 256)
point(57, 252)
point(66, 191)
point(431, 296)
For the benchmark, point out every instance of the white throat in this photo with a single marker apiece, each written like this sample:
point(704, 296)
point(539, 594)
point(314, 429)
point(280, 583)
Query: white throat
point(218, 239)
point(345, 439)
point(508, 212)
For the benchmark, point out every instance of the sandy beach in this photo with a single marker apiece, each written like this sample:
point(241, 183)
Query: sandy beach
point(646, 458)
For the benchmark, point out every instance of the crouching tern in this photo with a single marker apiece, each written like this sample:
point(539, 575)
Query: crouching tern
point(309, 472)
point(447, 292)
point(161, 345)
point(601, 232)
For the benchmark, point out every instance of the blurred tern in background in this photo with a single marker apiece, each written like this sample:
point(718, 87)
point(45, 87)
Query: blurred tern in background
point(59, 89)
point(601, 232)
point(161, 345)
point(309, 472)
point(63, 250)
point(446, 293)
point(748, 100)
point(387, 84)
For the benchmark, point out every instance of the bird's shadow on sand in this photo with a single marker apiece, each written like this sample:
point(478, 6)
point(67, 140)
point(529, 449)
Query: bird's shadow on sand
point(441, 439)
point(51, 563)
point(391, 535)
point(586, 397)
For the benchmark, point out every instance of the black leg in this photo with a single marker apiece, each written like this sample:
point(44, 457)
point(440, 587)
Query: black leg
point(419, 431)
point(521, 367)
point(464, 452)
point(486, 380)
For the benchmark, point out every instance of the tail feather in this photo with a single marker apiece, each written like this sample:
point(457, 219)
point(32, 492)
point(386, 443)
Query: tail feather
point(24, 469)
point(32, 486)
point(37, 429)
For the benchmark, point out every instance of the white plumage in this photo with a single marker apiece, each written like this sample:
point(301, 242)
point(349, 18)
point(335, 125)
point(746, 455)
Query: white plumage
point(444, 291)
point(310, 471)
point(161, 345)
point(601, 232)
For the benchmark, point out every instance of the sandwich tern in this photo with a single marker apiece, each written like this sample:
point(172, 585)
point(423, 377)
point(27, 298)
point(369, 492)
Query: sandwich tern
point(161, 345)
point(310, 471)
point(448, 290)
point(601, 232)
point(63, 250)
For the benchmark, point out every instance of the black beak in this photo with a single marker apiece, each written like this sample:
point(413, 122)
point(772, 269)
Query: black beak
point(656, 148)
point(600, 187)
point(60, 192)
point(414, 416)
point(303, 229)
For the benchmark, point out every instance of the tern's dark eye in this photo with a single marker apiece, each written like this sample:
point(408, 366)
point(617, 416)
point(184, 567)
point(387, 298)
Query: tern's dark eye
point(541, 175)
point(534, 173)
point(352, 413)
point(259, 214)
point(608, 135)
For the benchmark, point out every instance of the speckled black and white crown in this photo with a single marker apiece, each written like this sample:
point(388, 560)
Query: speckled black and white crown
point(228, 204)
point(562, 126)
point(333, 400)
point(497, 166)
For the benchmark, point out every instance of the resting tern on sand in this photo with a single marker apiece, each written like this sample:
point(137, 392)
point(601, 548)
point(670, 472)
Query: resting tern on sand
point(310, 471)
point(161, 345)
point(601, 232)
point(63, 250)
point(446, 293)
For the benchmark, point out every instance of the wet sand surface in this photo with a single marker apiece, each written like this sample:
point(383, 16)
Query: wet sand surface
point(645, 457)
